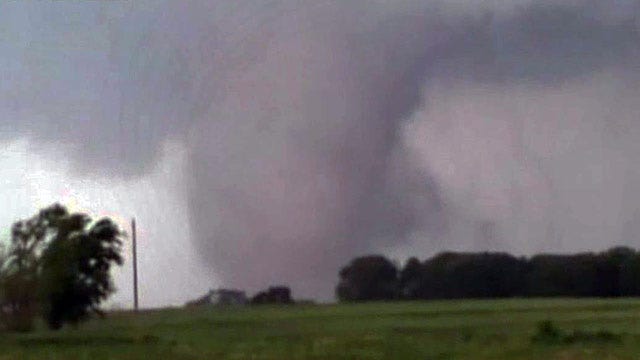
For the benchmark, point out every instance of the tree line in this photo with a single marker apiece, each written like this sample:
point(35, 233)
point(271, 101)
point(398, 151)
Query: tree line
point(450, 275)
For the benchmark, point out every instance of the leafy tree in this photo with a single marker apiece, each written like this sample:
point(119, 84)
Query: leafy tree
point(471, 275)
point(75, 268)
point(20, 268)
point(58, 262)
point(273, 295)
point(562, 275)
point(410, 279)
point(610, 266)
point(368, 278)
point(630, 276)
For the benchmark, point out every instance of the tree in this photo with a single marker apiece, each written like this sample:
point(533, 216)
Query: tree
point(610, 267)
point(470, 275)
point(273, 295)
point(59, 262)
point(20, 268)
point(450, 275)
point(75, 268)
point(630, 276)
point(410, 279)
point(368, 278)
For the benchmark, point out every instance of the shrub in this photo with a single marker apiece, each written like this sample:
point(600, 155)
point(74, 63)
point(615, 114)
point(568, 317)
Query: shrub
point(547, 332)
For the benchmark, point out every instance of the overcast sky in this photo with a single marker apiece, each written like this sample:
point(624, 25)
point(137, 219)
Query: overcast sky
point(269, 142)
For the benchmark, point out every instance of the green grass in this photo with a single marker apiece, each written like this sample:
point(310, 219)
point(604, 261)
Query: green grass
point(500, 329)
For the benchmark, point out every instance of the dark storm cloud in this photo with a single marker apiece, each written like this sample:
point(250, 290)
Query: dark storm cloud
point(67, 84)
point(542, 43)
point(293, 112)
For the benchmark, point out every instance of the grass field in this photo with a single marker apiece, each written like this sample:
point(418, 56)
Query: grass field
point(501, 329)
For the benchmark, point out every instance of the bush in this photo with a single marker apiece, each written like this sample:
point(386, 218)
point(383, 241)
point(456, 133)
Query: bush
point(548, 333)
point(601, 336)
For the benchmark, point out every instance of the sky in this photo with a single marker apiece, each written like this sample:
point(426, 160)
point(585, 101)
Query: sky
point(268, 142)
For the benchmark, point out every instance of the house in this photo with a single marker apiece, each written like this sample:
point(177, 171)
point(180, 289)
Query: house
point(221, 297)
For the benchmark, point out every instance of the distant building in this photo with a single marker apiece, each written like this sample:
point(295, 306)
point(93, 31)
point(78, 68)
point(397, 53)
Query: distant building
point(221, 297)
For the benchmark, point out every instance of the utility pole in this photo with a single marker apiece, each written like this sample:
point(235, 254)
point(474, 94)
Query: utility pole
point(135, 266)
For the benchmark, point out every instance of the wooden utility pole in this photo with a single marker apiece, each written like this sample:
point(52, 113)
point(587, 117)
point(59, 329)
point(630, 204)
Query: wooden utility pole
point(135, 266)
